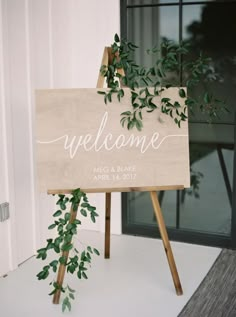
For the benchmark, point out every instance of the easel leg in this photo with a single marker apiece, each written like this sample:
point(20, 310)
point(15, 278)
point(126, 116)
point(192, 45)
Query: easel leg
point(62, 267)
point(107, 225)
point(166, 243)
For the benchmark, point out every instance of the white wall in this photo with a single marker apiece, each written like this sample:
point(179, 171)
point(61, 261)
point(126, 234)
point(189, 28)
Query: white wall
point(7, 228)
point(43, 44)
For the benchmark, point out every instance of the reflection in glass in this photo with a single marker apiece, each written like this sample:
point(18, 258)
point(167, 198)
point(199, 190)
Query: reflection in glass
point(141, 209)
point(201, 28)
point(208, 208)
point(146, 27)
point(205, 207)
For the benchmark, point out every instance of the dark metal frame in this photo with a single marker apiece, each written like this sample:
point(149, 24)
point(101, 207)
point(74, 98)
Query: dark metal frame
point(177, 233)
point(233, 220)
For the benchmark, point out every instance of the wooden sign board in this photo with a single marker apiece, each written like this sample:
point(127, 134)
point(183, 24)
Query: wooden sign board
point(81, 143)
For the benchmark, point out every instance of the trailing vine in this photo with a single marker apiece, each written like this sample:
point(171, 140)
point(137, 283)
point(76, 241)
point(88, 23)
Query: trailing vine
point(66, 225)
point(146, 83)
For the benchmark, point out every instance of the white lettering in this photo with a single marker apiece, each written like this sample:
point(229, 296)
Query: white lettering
point(98, 142)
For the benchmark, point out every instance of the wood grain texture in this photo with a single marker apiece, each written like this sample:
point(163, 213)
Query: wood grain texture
point(100, 81)
point(62, 267)
point(166, 243)
point(110, 190)
point(107, 225)
point(81, 143)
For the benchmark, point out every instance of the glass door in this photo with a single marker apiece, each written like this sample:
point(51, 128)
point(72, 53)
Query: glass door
point(206, 212)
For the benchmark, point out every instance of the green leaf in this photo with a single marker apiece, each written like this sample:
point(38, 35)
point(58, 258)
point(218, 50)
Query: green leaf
point(71, 268)
point(52, 226)
point(72, 296)
point(139, 124)
point(70, 289)
point(124, 81)
point(109, 97)
point(42, 275)
point(42, 253)
point(67, 216)
point(68, 238)
point(116, 38)
point(56, 249)
point(93, 218)
point(62, 260)
point(207, 98)
point(165, 100)
point(91, 208)
point(130, 125)
point(88, 255)
point(105, 99)
point(160, 73)
point(57, 213)
point(73, 231)
point(58, 241)
point(53, 263)
point(85, 205)
point(75, 259)
point(52, 292)
point(54, 268)
point(94, 213)
point(122, 121)
point(66, 247)
point(83, 256)
point(66, 304)
point(121, 91)
point(83, 212)
point(144, 80)
point(89, 249)
point(96, 251)
point(177, 104)
point(126, 113)
point(84, 275)
point(182, 93)
point(62, 222)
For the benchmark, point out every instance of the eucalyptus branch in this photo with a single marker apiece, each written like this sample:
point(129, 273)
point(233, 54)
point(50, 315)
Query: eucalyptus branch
point(147, 83)
point(66, 229)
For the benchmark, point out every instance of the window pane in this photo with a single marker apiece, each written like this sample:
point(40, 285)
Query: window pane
point(146, 27)
point(141, 209)
point(211, 133)
point(211, 29)
point(208, 208)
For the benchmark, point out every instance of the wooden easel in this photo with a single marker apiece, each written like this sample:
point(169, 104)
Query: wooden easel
point(107, 60)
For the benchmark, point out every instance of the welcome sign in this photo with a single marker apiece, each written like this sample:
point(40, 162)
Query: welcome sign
point(81, 143)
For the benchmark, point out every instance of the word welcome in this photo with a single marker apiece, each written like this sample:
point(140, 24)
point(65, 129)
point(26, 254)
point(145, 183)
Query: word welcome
point(108, 142)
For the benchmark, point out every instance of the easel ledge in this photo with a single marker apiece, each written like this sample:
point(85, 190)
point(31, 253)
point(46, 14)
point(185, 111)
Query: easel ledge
point(120, 190)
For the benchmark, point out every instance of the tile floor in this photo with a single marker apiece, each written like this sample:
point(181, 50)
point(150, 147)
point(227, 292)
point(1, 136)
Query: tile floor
point(136, 281)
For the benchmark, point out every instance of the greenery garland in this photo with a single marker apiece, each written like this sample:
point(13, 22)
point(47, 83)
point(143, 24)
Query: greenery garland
point(147, 82)
point(66, 229)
